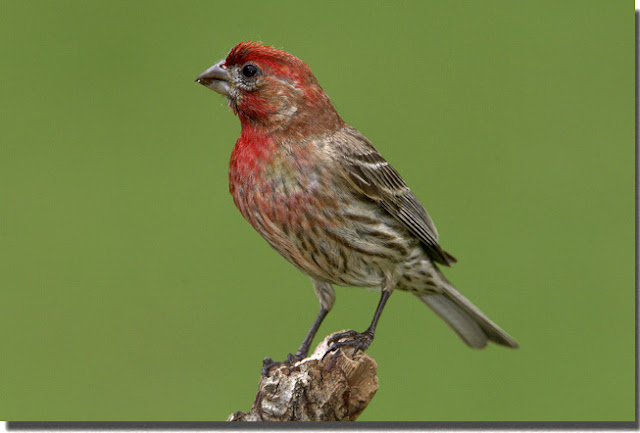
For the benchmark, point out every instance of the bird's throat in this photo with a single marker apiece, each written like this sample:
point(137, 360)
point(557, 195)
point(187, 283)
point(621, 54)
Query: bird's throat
point(252, 151)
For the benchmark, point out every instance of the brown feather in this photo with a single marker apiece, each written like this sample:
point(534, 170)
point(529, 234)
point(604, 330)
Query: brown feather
point(379, 181)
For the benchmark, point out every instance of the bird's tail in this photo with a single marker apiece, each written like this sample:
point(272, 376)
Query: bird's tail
point(466, 319)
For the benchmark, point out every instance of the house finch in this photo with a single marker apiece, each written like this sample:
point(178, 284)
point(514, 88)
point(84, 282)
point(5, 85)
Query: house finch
point(323, 197)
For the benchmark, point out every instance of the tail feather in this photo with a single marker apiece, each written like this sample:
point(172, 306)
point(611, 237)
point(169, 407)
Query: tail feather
point(466, 319)
point(461, 322)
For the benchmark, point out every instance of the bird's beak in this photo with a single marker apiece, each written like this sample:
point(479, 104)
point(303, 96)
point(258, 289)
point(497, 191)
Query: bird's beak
point(216, 78)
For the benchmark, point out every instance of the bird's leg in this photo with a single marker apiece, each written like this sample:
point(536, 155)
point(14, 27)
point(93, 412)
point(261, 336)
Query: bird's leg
point(303, 351)
point(268, 363)
point(360, 340)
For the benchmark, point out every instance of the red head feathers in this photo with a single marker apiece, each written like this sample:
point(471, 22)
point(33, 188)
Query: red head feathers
point(275, 89)
point(272, 90)
point(272, 60)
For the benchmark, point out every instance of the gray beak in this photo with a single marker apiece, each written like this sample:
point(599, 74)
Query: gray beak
point(216, 78)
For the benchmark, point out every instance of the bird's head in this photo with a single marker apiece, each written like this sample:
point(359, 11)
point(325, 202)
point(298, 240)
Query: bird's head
point(271, 88)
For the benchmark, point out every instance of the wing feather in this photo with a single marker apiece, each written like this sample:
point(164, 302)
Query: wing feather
point(379, 181)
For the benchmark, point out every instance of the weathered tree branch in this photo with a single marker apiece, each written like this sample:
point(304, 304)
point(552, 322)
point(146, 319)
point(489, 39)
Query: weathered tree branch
point(336, 388)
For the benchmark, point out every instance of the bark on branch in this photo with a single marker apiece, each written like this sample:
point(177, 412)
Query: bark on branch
point(336, 388)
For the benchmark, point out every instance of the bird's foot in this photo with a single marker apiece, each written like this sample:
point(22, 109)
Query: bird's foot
point(357, 340)
point(269, 364)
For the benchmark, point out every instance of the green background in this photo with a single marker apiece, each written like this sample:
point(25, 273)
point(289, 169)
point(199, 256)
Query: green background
point(132, 289)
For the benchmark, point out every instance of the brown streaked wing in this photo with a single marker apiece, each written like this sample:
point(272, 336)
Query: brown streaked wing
point(379, 181)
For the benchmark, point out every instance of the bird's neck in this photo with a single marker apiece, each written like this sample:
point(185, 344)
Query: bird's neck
point(261, 140)
point(292, 115)
point(254, 148)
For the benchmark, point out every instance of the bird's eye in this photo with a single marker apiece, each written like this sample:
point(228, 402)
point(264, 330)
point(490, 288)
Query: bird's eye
point(249, 71)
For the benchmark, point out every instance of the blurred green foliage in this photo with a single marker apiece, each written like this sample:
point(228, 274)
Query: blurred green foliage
point(132, 289)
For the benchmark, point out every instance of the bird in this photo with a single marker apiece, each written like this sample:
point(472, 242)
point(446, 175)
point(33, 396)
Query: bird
point(325, 199)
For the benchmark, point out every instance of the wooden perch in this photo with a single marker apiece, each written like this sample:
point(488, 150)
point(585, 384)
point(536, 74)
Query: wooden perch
point(336, 388)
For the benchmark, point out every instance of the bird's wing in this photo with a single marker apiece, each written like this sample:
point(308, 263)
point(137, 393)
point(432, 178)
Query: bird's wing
point(380, 182)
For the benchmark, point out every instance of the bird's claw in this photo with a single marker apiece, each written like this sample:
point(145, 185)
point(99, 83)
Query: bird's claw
point(342, 335)
point(357, 340)
point(269, 364)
